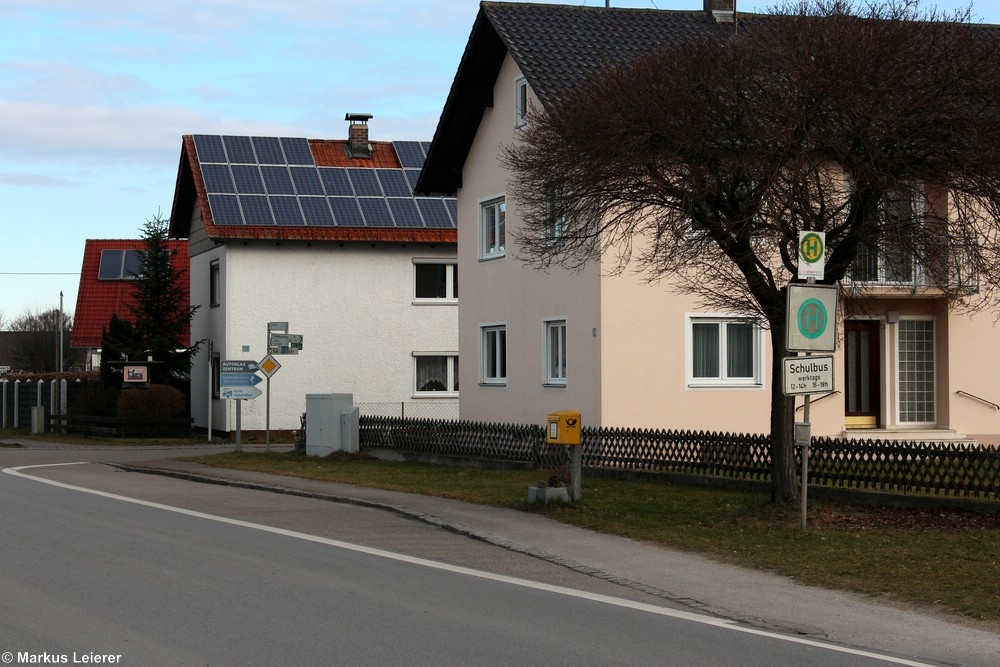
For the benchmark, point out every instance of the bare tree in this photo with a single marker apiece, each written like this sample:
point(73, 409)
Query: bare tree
point(37, 348)
point(824, 117)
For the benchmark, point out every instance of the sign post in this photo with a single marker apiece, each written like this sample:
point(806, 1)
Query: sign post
point(236, 382)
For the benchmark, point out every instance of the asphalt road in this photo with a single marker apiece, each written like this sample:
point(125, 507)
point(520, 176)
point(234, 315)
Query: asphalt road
point(144, 570)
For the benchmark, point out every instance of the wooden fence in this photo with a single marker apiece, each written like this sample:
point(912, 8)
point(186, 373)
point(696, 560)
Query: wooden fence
point(957, 470)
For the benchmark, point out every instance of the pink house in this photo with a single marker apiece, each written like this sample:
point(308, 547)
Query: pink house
point(630, 354)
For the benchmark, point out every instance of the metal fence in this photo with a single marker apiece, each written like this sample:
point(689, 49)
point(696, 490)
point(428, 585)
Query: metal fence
point(957, 470)
point(422, 409)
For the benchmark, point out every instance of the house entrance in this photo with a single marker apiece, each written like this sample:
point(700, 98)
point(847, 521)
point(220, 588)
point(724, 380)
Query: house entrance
point(862, 366)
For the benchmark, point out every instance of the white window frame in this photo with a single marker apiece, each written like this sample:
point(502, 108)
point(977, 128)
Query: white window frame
point(492, 227)
point(500, 361)
point(755, 380)
point(900, 382)
point(451, 379)
point(520, 102)
point(553, 352)
point(451, 280)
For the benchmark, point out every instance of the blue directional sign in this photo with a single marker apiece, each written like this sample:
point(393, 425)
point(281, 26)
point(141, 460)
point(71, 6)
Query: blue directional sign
point(239, 379)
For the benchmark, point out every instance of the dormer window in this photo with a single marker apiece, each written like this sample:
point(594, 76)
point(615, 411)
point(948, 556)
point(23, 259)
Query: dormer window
point(119, 265)
point(520, 102)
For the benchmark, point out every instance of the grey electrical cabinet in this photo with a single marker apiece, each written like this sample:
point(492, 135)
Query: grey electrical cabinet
point(325, 424)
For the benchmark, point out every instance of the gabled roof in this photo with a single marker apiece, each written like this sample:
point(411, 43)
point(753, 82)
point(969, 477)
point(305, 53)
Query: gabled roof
point(556, 48)
point(102, 295)
point(280, 188)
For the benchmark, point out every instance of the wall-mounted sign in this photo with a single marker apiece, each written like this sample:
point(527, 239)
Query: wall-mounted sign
point(136, 374)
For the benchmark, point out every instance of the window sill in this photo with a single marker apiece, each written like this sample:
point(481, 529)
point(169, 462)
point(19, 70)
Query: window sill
point(725, 385)
point(490, 258)
point(554, 385)
point(492, 384)
point(435, 302)
point(434, 394)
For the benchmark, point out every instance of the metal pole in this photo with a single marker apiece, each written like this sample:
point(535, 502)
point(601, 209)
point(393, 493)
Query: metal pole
point(805, 465)
point(211, 356)
point(239, 425)
point(575, 470)
point(267, 418)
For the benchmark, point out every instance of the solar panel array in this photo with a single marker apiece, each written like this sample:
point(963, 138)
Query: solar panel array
point(274, 181)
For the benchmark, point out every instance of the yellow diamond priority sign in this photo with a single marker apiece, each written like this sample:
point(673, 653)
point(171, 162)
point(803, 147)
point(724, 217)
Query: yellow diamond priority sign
point(268, 365)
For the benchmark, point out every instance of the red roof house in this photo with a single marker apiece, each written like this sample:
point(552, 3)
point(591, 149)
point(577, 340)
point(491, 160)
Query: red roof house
point(109, 267)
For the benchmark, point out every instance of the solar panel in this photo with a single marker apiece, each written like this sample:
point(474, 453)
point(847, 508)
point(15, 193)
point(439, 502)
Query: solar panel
point(394, 183)
point(297, 151)
point(434, 212)
point(404, 211)
point(268, 150)
point(286, 211)
point(209, 148)
point(277, 180)
point(411, 177)
point(247, 178)
point(256, 210)
point(217, 178)
point(365, 183)
point(316, 211)
point(225, 209)
point(346, 212)
point(452, 205)
point(335, 182)
point(239, 150)
point(376, 212)
point(410, 153)
point(306, 180)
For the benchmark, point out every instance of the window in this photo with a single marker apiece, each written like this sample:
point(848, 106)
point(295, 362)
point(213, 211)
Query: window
point(435, 373)
point(493, 228)
point(724, 351)
point(214, 286)
point(494, 354)
point(555, 230)
point(520, 102)
point(435, 280)
point(916, 371)
point(555, 352)
point(889, 259)
point(119, 265)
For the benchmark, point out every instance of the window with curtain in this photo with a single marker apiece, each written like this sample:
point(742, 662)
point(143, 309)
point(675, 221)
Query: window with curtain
point(436, 373)
point(724, 351)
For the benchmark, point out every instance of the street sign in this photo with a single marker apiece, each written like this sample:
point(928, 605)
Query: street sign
point(812, 255)
point(284, 343)
point(239, 379)
point(239, 366)
point(808, 375)
point(812, 318)
point(269, 365)
point(240, 393)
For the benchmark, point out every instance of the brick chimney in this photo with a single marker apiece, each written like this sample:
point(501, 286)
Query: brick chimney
point(724, 11)
point(357, 134)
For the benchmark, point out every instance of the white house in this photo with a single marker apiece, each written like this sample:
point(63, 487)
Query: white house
point(327, 237)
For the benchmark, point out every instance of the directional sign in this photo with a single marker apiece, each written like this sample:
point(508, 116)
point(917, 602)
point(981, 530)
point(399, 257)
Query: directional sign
point(239, 366)
point(239, 379)
point(812, 318)
point(240, 393)
point(808, 375)
point(284, 343)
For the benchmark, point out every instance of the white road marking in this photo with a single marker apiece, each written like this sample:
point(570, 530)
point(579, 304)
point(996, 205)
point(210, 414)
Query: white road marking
point(458, 569)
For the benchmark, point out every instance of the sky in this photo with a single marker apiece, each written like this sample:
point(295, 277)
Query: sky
point(95, 97)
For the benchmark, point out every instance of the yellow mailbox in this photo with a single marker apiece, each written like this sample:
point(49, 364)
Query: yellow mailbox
point(564, 428)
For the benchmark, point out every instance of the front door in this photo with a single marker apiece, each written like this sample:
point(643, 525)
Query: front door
point(861, 373)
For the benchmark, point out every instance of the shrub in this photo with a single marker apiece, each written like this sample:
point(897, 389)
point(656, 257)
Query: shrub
point(157, 402)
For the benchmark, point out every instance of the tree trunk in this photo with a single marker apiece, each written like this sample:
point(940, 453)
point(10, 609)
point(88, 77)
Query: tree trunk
point(784, 489)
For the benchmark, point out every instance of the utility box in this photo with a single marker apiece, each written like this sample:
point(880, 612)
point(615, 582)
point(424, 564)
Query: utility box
point(37, 419)
point(325, 423)
point(563, 428)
